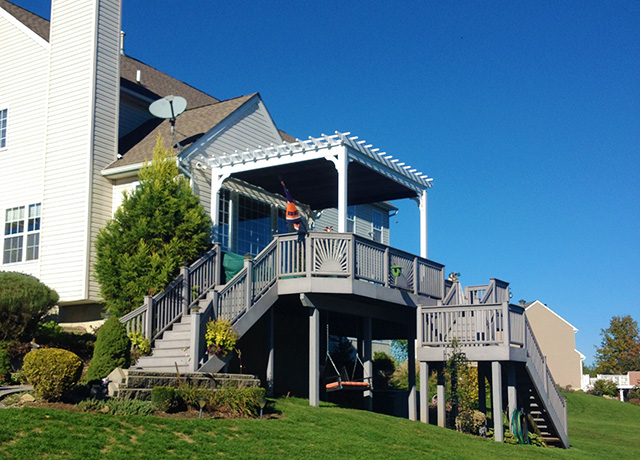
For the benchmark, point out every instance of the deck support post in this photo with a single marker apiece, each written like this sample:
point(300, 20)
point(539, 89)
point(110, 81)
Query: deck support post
point(496, 399)
point(411, 355)
point(441, 397)
point(424, 392)
point(482, 388)
point(423, 224)
point(270, 344)
point(314, 357)
point(512, 395)
point(367, 360)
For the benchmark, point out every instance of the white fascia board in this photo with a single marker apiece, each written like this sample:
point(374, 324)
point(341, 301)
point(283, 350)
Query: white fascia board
point(122, 171)
point(201, 144)
point(575, 329)
point(24, 29)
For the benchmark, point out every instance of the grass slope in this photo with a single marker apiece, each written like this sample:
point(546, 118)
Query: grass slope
point(599, 429)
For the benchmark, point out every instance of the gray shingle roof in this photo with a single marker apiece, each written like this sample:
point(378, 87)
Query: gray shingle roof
point(137, 146)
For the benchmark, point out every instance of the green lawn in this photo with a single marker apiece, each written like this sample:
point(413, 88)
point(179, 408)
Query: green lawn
point(598, 429)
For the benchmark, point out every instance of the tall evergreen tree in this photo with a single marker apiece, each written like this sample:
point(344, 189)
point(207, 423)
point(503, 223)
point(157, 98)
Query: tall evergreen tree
point(158, 228)
point(619, 351)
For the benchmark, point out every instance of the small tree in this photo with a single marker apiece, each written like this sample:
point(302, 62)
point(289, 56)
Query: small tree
point(23, 302)
point(619, 351)
point(158, 228)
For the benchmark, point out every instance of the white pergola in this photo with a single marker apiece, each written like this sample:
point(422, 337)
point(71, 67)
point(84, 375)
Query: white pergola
point(364, 175)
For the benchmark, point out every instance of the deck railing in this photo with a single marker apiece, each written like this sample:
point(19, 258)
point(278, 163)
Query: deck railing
point(159, 312)
point(335, 255)
point(481, 325)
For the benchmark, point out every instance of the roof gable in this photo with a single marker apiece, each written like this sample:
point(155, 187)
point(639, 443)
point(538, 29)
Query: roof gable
point(538, 304)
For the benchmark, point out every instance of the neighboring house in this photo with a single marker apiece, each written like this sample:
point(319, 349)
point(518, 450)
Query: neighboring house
point(623, 382)
point(556, 337)
point(75, 129)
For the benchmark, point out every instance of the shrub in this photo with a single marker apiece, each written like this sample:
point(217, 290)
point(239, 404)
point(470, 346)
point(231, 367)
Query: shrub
point(23, 302)
point(383, 368)
point(5, 365)
point(241, 401)
point(52, 371)
point(604, 387)
point(470, 421)
point(634, 393)
point(51, 334)
point(112, 350)
point(158, 228)
point(166, 399)
point(139, 346)
point(125, 407)
point(220, 337)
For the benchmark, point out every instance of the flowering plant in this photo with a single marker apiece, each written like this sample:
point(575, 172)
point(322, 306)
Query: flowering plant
point(220, 337)
point(139, 346)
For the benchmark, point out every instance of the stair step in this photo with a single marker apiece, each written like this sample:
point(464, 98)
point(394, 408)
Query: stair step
point(181, 327)
point(162, 361)
point(174, 343)
point(163, 352)
point(176, 335)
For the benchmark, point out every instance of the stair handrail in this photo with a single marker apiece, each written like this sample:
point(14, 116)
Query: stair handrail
point(161, 311)
point(557, 404)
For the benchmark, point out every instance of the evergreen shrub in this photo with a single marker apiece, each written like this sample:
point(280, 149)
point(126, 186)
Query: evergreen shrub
point(603, 387)
point(112, 349)
point(158, 228)
point(51, 371)
point(23, 303)
point(5, 365)
point(50, 334)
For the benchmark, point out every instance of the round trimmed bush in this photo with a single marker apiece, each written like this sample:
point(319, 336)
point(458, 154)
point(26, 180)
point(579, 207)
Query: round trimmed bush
point(112, 349)
point(23, 302)
point(51, 371)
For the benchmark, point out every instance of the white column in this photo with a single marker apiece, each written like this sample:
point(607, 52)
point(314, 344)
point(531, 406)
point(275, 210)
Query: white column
point(216, 185)
point(367, 359)
point(314, 357)
point(424, 392)
point(423, 224)
point(496, 398)
point(342, 166)
point(441, 397)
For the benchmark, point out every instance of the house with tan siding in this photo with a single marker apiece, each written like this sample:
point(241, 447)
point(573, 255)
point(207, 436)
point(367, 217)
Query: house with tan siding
point(556, 337)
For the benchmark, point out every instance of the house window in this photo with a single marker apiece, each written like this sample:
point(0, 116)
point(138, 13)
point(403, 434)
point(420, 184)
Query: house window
point(254, 225)
point(21, 234)
point(223, 219)
point(376, 226)
point(351, 219)
point(3, 128)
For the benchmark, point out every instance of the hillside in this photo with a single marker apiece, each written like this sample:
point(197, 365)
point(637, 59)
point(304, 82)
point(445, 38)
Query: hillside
point(599, 429)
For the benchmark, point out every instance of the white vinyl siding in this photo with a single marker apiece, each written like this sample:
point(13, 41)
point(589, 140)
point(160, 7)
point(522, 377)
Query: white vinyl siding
point(368, 221)
point(23, 94)
point(81, 141)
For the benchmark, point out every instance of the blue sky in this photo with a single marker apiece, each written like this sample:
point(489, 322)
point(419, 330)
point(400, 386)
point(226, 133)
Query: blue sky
point(526, 114)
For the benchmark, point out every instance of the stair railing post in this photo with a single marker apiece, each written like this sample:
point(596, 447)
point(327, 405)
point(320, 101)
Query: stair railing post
point(506, 326)
point(386, 267)
point(194, 343)
point(308, 254)
point(184, 271)
point(148, 324)
point(545, 370)
point(248, 265)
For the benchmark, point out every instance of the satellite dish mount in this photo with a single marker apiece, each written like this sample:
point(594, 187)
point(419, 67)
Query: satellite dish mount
point(169, 108)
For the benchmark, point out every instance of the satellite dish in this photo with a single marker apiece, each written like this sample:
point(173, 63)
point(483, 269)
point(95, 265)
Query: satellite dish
point(168, 107)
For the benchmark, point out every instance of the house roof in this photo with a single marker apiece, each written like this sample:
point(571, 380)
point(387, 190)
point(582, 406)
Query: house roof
point(153, 83)
point(537, 303)
point(137, 146)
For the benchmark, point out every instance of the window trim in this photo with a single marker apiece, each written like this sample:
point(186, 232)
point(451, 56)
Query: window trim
point(6, 127)
point(26, 234)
